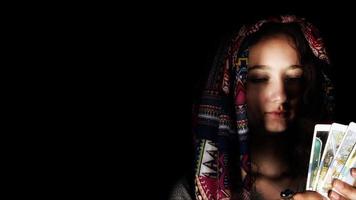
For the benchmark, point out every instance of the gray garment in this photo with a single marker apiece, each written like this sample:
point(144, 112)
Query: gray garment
point(180, 191)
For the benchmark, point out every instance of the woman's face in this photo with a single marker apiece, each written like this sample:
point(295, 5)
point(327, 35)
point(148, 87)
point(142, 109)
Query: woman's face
point(274, 84)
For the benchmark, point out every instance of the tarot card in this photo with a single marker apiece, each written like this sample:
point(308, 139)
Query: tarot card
point(336, 134)
point(345, 174)
point(342, 154)
point(320, 136)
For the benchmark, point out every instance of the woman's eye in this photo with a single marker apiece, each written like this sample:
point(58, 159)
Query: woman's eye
point(258, 79)
point(297, 79)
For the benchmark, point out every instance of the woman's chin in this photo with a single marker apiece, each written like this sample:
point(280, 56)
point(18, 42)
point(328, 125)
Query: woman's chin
point(276, 127)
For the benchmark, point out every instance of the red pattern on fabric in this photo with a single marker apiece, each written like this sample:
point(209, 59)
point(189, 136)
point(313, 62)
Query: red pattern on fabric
point(208, 187)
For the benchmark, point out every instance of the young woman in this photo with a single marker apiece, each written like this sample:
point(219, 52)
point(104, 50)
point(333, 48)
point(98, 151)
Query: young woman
point(254, 122)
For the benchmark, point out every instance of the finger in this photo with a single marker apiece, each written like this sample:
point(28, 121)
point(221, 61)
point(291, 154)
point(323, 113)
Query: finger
point(344, 189)
point(335, 196)
point(309, 195)
point(353, 172)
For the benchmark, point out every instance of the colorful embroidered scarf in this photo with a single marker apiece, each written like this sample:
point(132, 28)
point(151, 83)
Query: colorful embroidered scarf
point(221, 118)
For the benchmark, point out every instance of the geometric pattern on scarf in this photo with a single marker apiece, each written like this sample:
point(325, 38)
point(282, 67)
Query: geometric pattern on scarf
point(221, 115)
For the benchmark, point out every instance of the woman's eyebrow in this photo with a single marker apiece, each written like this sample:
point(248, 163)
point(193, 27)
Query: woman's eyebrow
point(258, 67)
point(266, 67)
point(295, 67)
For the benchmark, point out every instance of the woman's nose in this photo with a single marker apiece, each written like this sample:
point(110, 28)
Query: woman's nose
point(277, 92)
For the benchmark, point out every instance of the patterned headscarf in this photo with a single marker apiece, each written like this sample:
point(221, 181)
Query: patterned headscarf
point(221, 118)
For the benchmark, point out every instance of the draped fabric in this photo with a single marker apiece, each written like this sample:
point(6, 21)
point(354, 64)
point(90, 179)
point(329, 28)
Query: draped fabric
point(221, 119)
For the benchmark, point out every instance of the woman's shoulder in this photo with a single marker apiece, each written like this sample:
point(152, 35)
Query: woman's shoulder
point(181, 190)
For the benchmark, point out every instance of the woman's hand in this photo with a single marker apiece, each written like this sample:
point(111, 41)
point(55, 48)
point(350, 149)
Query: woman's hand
point(347, 191)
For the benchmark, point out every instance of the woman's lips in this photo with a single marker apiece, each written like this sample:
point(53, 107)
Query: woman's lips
point(279, 114)
point(276, 112)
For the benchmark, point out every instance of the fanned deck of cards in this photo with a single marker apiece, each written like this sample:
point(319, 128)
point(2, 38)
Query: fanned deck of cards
point(332, 156)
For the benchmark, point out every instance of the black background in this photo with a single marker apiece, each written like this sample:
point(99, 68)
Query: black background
point(115, 92)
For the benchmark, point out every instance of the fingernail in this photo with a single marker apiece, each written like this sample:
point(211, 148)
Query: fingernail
point(337, 184)
point(334, 195)
point(353, 172)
